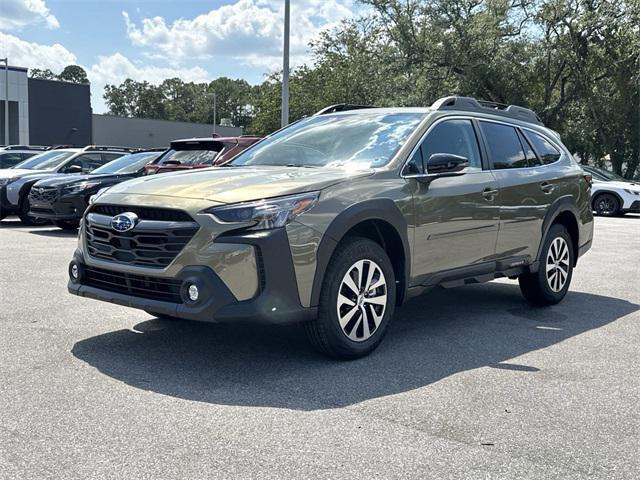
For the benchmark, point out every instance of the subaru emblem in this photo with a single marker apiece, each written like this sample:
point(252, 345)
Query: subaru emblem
point(124, 222)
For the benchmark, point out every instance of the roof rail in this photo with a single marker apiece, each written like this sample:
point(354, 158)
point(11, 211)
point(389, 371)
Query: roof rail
point(26, 147)
point(470, 104)
point(101, 148)
point(57, 147)
point(341, 107)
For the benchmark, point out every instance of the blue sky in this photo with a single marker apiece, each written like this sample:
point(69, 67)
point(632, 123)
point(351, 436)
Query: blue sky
point(151, 40)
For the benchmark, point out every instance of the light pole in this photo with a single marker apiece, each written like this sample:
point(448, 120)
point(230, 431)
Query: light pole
point(6, 99)
point(285, 66)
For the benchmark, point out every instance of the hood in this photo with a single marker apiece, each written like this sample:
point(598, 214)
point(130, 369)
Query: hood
point(619, 184)
point(63, 180)
point(16, 172)
point(237, 184)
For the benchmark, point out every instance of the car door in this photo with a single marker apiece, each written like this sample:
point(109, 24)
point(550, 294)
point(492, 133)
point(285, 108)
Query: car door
point(527, 188)
point(456, 217)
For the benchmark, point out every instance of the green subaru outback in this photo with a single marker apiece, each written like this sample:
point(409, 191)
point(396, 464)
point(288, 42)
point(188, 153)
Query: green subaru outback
point(339, 218)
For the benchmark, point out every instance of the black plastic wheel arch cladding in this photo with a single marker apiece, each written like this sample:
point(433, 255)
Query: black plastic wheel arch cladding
point(558, 207)
point(384, 210)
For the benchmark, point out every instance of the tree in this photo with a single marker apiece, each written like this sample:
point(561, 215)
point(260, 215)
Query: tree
point(45, 74)
point(73, 74)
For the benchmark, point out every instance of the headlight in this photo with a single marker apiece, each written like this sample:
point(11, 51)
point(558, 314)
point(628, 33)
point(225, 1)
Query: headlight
point(268, 213)
point(80, 187)
point(6, 181)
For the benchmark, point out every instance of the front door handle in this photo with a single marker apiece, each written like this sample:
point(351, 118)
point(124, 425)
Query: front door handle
point(546, 187)
point(489, 193)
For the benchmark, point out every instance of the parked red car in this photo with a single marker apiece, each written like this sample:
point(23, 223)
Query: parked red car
point(199, 153)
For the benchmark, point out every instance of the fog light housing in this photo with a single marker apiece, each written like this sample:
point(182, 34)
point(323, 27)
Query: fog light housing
point(75, 272)
point(193, 293)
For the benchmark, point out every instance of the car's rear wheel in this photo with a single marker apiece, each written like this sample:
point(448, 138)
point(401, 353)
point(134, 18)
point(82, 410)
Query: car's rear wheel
point(606, 205)
point(550, 283)
point(27, 219)
point(356, 302)
point(67, 224)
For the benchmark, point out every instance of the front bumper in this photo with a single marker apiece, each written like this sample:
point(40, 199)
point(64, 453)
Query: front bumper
point(6, 207)
point(64, 208)
point(276, 301)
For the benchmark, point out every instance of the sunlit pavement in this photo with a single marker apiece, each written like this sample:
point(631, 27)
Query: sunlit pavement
point(469, 383)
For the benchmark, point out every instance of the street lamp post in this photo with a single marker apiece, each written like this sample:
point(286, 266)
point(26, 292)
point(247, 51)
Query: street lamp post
point(285, 66)
point(6, 99)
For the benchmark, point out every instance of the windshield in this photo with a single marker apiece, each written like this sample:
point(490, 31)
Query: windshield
point(127, 164)
point(606, 175)
point(40, 161)
point(362, 140)
point(190, 157)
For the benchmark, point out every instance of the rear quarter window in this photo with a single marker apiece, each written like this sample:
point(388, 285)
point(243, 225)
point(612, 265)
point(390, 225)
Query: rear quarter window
point(545, 149)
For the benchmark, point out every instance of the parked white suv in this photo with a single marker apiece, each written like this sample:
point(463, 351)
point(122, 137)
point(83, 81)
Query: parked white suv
point(612, 194)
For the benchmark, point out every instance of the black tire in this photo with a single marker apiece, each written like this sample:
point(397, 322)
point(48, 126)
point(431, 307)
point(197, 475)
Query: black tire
point(67, 224)
point(27, 219)
point(542, 288)
point(606, 205)
point(325, 332)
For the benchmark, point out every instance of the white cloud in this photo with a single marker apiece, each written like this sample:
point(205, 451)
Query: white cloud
point(34, 55)
point(249, 31)
point(16, 14)
point(116, 68)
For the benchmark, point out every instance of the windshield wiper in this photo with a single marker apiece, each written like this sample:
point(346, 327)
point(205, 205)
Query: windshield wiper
point(300, 165)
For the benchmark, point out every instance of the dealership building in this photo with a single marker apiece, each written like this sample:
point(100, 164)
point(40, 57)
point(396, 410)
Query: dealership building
point(49, 112)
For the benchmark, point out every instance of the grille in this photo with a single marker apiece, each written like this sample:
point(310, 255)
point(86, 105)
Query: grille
point(153, 288)
point(152, 243)
point(43, 194)
point(144, 213)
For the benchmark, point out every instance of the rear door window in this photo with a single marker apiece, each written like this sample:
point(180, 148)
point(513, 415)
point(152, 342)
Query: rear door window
point(532, 158)
point(546, 151)
point(504, 145)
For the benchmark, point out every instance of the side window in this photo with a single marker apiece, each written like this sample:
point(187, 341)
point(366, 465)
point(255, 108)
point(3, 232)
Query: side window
point(89, 162)
point(504, 146)
point(532, 158)
point(456, 137)
point(10, 159)
point(547, 152)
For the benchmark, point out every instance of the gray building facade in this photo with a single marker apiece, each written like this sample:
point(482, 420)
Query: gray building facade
point(149, 133)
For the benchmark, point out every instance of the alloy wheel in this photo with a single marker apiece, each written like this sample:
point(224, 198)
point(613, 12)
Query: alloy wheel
point(558, 264)
point(362, 300)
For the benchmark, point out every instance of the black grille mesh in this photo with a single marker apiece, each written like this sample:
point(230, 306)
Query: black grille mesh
point(145, 213)
point(153, 288)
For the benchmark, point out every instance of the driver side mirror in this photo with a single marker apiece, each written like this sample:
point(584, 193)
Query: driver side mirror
point(446, 163)
point(74, 169)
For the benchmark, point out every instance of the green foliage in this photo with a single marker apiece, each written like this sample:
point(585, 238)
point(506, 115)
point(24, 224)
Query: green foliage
point(71, 73)
point(575, 62)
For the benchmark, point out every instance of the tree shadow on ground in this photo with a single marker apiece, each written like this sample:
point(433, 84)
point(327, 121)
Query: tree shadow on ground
point(432, 337)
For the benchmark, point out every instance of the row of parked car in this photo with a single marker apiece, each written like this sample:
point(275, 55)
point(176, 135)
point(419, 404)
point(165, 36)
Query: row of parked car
point(54, 184)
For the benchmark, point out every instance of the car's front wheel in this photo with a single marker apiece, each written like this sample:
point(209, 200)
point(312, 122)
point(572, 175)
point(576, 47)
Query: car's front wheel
point(550, 283)
point(356, 302)
point(606, 205)
point(27, 219)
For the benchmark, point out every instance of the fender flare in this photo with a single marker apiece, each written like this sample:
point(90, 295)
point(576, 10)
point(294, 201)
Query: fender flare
point(376, 209)
point(563, 204)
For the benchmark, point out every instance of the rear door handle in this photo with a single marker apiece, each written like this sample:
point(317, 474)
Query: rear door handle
point(547, 187)
point(489, 193)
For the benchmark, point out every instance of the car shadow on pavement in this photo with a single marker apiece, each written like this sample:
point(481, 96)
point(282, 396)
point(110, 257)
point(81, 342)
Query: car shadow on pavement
point(432, 337)
point(55, 232)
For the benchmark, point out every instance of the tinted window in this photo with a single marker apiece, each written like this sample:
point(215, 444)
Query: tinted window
point(504, 146)
point(547, 152)
point(456, 137)
point(532, 159)
point(88, 162)
point(355, 140)
point(109, 157)
point(190, 157)
point(8, 160)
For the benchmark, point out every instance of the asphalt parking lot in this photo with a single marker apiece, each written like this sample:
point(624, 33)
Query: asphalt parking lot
point(469, 383)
